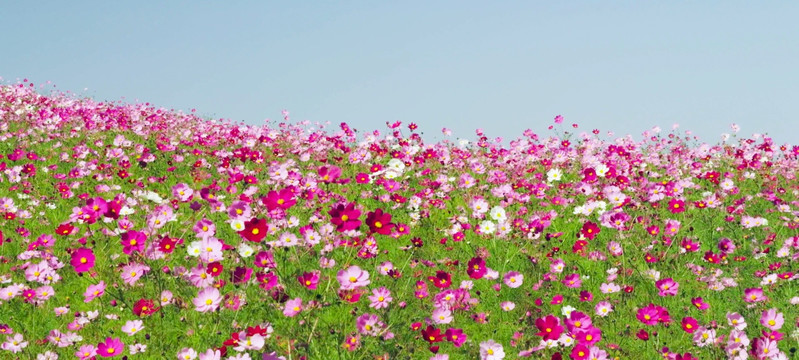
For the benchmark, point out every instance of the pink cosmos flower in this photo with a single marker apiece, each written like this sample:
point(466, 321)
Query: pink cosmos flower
point(94, 291)
point(309, 280)
point(580, 352)
point(369, 324)
point(132, 272)
point(753, 295)
point(14, 343)
point(491, 350)
point(204, 229)
point(82, 260)
point(672, 227)
point(44, 292)
point(455, 336)
point(513, 279)
point(765, 348)
point(110, 348)
point(736, 321)
point(380, 298)
point(86, 352)
point(667, 287)
point(572, 281)
point(207, 299)
point(352, 278)
point(578, 320)
point(609, 288)
point(772, 319)
point(9, 292)
point(211, 354)
point(442, 316)
point(589, 336)
point(293, 307)
point(187, 354)
point(132, 327)
point(182, 192)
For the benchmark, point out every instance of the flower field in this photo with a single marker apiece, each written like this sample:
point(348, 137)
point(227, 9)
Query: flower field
point(131, 231)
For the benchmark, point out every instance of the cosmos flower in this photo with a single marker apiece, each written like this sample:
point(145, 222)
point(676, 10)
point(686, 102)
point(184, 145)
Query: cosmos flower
point(110, 347)
point(207, 300)
point(82, 260)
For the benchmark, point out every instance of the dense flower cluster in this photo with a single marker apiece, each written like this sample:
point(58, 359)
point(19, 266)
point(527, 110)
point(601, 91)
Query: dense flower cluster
point(127, 229)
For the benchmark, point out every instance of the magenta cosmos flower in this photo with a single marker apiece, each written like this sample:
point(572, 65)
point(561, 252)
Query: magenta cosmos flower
point(667, 287)
point(379, 222)
point(133, 241)
point(345, 217)
point(476, 268)
point(309, 279)
point(549, 327)
point(82, 260)
point(352, 278)
point(110, 348)
point(652, 314)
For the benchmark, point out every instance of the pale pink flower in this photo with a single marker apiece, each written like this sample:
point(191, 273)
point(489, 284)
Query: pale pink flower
point(207, 299)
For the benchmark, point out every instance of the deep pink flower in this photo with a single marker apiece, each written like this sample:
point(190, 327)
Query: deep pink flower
point(254, 230)
point(279, 200)
point(700, 303)
point(110, 348)
point(549, 327)
point(133, 241)
point(476, 268)
point(345, 217)
point(455, 336)
point(580, 352)
point(309, 279)
point(652, 314)
point(379, 222)
point(689, 324)
point(82, 260)
point(589, 336)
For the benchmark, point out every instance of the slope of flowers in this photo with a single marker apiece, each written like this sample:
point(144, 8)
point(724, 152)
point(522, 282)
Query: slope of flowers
point(132, 231)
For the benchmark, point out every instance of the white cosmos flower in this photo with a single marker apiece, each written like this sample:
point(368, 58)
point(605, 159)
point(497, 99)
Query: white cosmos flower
point(237, 225)
point(194, 249)
point(498, 213)
point(245, 250)
point(487, 227)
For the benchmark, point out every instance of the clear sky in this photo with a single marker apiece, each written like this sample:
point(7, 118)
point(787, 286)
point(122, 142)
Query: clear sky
point(497, 65)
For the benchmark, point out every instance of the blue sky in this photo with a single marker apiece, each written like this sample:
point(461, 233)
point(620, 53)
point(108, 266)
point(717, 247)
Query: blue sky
point(500, 66)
